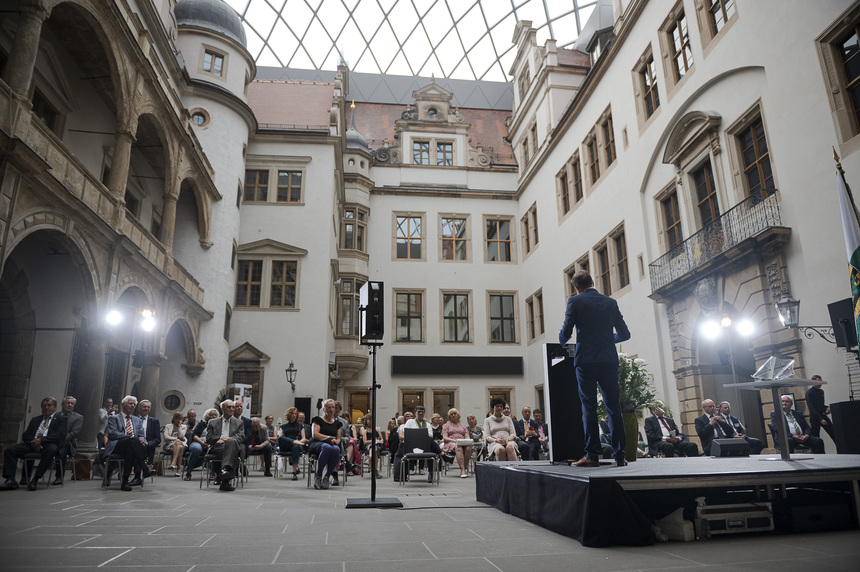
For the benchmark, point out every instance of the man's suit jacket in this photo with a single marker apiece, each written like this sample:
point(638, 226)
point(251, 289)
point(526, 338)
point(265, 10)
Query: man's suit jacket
point(815, 402)
point(56, 430)
point(246, 424)
point(654, 433)
point(599, 326)
point(116, 430)
point(74, 422)
point(736, 425)
point(519, 425)
point(262, 437)
point(237, 430)
point(707, 432)
point(153, 432)
point(801, 420)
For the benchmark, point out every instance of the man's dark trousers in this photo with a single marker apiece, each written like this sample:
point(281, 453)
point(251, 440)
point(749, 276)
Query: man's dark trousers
point(590, 376)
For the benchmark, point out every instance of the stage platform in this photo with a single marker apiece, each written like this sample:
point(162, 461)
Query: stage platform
point(612, 505)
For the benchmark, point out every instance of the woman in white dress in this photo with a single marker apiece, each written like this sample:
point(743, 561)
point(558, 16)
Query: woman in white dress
point(500, 433)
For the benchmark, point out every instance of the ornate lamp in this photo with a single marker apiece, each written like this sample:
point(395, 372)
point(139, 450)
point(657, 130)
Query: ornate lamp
point(291, 375)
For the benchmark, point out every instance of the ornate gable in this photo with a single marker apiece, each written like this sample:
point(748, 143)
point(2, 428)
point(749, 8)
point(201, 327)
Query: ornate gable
point(269, 247)
point(247, 352)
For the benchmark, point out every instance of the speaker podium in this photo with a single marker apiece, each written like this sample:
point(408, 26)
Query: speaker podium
point(564, 408)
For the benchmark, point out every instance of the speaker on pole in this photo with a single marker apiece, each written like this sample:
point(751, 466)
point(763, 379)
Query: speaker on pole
point(373, 313)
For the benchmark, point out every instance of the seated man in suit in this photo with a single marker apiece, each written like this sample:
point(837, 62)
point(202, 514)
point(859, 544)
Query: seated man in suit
point(740, 431)
point(246, 422)
point(664, 437)
point(542, 430)
point(197, 446)
point(225, 437)
point(151, 429)
point(605, 438)
point(43, 435)
point(127, 439)
point(260, 444)
point(795, 426)
point(528, 443)
point(711, 426)
point(74, 422)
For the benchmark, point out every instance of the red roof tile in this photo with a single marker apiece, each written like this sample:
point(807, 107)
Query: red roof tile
point(291, 104)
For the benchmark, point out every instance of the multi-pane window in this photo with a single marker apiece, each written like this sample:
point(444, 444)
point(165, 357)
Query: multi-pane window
point(534, 137)
point(454, 239)
point(498, 240)
point(408, 317)
point(850, 54)
point(621, 260)
point(213, 62)
point(283, 291)
point(443, 401)
point(593, 159)
point(530, 229)
point(132, 204)
point(756, 157)
point(672, 220)
point(721, 11)
point(564, 192)
point(706, 194)
point(256, 185)
point(411, 400)
point(534, 315)
point(682, 56)
point(408, 237)
point(603, 269)
point(526, 154)
point(420, 152)
point(523, 83)
point(455, 317)
point(608, 140)
point(502, 326)
point(249, 283)
point(44, 110)
point(576, 180)
point(354, 228)
point(650, 94)
point(445, 154)
point(348, 323)
point(289, 186)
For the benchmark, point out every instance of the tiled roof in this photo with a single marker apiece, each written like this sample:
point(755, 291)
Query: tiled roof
point(573, 58)
point(291, 104)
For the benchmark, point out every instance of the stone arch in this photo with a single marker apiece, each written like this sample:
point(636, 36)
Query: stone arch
point(191, 342)
point(188, 184)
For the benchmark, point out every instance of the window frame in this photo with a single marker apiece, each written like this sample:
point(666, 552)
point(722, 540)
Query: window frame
point(216, 53)
point(511, 238)
point(273, 166)
point(535, 322)
point(467, 239)
point(529, 230)
point(359, 222)
point(469, 318)
point(708, 33)
point(349, 290)
point(828, 45)
point(422, 236)
point(268, 252)
point(491, 294)
point(409, 292)
point(290, 187)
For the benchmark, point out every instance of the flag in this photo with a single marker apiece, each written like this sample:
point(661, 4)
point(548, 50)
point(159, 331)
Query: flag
point(852, 242)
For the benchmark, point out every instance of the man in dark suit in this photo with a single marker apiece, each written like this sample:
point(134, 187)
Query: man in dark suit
point(818, 410)
point(127, 439)
point(225, 436)
point(74, 422)
point(151, 429)
point(260, 444)
point(599, 326)
point(542, 430)
point(526, 431)
point(710, 426)
point(43, 435)
point(664, 437)
point(795, 426)
point(740, 431)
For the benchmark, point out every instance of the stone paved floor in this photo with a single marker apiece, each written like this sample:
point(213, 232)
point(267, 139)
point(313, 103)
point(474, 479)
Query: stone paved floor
point(282, 525)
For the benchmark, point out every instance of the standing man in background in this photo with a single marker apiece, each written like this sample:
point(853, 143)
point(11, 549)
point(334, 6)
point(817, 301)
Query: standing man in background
point(818, 410)
point(599, 326)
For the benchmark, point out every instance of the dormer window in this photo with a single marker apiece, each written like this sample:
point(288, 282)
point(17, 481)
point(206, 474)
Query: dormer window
point(213, 62)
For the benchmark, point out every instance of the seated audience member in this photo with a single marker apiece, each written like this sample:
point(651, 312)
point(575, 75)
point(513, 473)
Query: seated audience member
point(307, 426)
point(711, 426)
point(69, 446)
point(348, 444)
point(795, 426)
point(271, 430)
point(225, 438)
point(44, 435)
point(818, 410)
point(740, 431)
point(260, 445)
point(190, 421)
point(476, 432)
point(127, 439)
point(419, 422)
point(436, 423)
point(392, 438)
point(326, 433)
point(238, 409)
point(197, 445)
point(293, 439)
point(527, 436)
point(451, 431)
point(365, 437)
point(500, 433)
point(151, 429)
point(605, 438)
point(105, 412)
point(664, 436)
point(542, 430)
point(174, 441)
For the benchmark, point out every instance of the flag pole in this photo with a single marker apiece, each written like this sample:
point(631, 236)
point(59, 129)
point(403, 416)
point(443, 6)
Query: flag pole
point(847, 188)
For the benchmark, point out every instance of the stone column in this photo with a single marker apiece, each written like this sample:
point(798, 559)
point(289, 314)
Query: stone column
point(25, 46)
point(168, 218)
point(90, 387)
point(118, 176)
point(150, 372)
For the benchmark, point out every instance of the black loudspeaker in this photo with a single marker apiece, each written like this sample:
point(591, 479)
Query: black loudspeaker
point(730, 448)
point(843, 310)
point(137, 359)
point(372, 312)
point(846, 426)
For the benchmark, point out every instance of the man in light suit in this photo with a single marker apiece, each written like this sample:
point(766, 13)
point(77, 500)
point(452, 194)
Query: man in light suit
point(74, 422)
point(664, 437)
point(795, 426)
point(599, 326)
point(710, 426)
point(126, 438)
point(43, 435)
point(151, 429)
point(740, 431)
point(225, 437)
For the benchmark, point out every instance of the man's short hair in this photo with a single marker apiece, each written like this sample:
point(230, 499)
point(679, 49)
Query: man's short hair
point(74, 400)
point(49, 399)
point(816, 376)
point(582, 280)
point(255, 419)
point(128, 398)
point(144, 401)
point(419, 408)
point(225, 402)
point(536, 411)
point(704, 401)
point(725, 403)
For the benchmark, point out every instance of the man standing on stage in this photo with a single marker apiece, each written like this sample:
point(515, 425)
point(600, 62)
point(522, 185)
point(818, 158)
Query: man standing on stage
point(599, 326)
point(818, 410)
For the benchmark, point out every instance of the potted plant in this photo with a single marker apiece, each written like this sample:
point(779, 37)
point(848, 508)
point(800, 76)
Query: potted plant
point(636, 392)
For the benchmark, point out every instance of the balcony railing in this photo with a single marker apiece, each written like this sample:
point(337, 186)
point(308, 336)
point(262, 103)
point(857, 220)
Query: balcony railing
point(748, 218)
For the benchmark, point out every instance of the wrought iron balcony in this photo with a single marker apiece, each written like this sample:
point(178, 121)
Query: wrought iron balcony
point(752, 216)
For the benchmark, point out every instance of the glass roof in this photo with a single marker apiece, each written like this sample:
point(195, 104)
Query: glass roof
point(459, 39)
